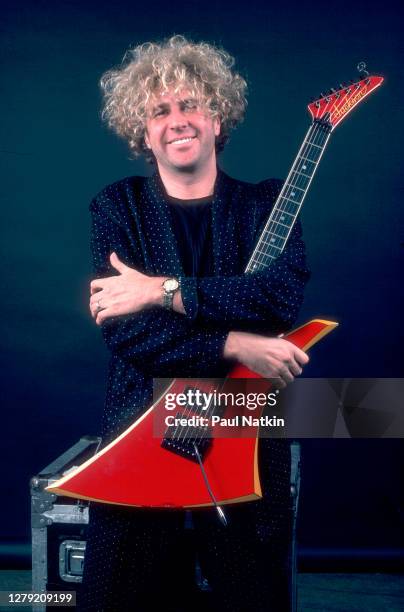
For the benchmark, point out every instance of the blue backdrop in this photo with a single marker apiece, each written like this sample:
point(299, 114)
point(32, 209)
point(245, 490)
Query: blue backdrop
point(56, 155)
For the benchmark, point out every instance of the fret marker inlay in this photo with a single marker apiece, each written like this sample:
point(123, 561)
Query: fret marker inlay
point(289, 202)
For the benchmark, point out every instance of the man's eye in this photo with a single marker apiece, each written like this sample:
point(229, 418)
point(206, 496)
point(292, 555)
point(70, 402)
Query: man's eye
point(159, 112)
point(190, 105)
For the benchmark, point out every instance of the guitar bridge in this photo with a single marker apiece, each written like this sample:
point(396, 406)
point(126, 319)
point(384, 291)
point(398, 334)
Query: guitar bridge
point(185, 446)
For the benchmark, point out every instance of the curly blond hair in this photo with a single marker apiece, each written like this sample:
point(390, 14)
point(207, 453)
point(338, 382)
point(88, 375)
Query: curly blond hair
point(203, 70)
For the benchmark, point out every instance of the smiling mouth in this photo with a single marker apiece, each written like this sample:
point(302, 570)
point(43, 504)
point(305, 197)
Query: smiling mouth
point(179, 141)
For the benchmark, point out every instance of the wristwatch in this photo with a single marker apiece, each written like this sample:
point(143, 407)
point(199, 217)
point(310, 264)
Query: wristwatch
point(170, 286)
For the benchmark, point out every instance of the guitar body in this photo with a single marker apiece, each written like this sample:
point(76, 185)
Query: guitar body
point(135, 469)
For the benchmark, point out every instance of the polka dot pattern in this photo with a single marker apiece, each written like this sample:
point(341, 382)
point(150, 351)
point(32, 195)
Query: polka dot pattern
point(132, 553)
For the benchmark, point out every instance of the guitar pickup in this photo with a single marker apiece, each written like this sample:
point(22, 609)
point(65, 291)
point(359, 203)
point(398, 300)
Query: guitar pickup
point(185, 432)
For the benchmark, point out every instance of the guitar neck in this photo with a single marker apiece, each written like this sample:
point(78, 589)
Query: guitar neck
point(289, 202)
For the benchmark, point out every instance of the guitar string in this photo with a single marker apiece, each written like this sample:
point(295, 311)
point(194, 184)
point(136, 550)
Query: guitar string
point(335, 104)
point(347, 97)
point(182, 432)
point(288, 209)
point(285, 206)
point(209, 412)
point(176, 435)
point(331, 107)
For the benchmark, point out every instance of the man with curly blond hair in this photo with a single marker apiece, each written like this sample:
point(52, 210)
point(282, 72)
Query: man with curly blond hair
point(170, 294)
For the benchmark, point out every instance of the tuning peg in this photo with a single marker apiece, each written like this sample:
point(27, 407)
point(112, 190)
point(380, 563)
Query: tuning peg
point(361, 68)
point(342, 85)
point(332, 91)
point(322, 95)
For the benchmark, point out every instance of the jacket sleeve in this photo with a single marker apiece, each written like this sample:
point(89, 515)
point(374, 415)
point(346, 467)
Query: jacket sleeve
point(268, 299)
point(164, 342)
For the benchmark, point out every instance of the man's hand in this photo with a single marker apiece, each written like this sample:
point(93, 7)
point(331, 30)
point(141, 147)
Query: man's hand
point(268, 357)
point(127, 293)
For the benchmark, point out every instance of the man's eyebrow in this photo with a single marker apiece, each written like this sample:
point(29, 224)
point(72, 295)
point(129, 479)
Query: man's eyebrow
point(164, 105)
point(159, 105)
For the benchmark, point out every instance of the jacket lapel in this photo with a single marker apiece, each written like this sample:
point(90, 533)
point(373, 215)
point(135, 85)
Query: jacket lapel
point(161, 244)
point(225, 247)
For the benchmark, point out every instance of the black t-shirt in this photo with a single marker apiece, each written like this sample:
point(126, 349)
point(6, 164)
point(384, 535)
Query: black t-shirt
point(192, 224)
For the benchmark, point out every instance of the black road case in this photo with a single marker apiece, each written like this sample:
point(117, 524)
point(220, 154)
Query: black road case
point(59, 525)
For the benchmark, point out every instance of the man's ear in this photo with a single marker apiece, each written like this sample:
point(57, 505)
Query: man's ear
point(146, 140)
point(216, 126)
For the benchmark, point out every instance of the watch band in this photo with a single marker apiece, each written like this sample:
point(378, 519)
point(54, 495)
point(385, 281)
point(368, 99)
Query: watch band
point(168, 299)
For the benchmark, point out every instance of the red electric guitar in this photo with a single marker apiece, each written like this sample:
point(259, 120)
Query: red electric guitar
point(140, 469)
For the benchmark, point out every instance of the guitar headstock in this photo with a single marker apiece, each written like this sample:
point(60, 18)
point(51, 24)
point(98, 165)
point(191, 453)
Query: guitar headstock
point(335, 106)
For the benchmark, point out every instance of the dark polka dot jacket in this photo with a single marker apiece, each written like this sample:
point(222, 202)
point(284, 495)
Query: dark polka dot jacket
point(132, 218)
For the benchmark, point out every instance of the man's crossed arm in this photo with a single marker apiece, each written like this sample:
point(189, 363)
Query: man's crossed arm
point(132, 292)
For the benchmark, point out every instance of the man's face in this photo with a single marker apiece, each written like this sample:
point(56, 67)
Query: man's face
point(180, 133)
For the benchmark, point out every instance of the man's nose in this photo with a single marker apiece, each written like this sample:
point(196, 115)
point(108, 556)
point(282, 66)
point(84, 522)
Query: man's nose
point(178, 119)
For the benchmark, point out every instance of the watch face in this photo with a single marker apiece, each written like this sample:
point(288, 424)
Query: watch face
point(171, 284)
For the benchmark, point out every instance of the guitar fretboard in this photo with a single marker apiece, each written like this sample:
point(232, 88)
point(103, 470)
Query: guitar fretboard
point(289, 202)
